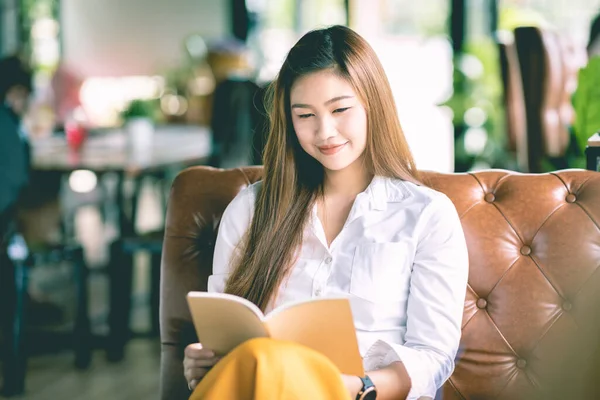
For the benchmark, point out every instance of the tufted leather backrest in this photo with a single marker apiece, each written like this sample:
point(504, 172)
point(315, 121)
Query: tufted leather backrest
point(534, 285)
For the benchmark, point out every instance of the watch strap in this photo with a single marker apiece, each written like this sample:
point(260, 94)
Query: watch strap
point(368, 387)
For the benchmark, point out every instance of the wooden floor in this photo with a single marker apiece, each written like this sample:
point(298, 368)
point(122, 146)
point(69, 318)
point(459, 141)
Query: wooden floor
point(53, 377)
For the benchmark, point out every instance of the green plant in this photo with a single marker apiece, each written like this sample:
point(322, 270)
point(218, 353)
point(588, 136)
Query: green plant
point(139, 108)
point(477, 86)
point(586, 101)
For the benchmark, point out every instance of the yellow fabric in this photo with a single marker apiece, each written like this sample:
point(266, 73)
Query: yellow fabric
point(272, 369)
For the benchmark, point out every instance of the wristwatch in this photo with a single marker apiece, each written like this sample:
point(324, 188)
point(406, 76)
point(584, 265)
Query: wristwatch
point(368, 391)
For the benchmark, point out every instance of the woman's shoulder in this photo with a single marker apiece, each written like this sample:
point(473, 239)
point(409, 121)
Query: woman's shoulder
point(251, 191)
point(238, 213)
point(420, 194)
point(432, 209)
point(243, 202)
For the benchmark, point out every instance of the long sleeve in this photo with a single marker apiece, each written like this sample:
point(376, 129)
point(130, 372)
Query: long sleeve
point(435, 304)
point(234, 224)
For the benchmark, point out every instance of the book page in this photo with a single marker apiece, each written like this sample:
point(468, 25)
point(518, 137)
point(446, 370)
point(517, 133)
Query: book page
point(325, 325)
point(224, 321)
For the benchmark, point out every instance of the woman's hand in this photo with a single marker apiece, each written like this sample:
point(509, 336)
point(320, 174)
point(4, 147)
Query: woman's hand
point(353, 384)
point(196, 363)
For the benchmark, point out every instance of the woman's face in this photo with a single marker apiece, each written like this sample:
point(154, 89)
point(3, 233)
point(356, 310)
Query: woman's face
point(329, 119)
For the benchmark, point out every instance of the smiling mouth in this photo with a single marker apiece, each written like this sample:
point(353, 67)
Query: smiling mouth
point(329, 150)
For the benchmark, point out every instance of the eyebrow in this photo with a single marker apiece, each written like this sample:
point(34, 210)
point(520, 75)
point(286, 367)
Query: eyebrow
point(338, 98)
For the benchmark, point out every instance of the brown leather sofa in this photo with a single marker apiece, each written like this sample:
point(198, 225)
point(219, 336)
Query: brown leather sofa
point(533, 302)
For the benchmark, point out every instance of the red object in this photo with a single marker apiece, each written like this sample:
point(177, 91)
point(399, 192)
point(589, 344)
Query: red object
point(75, 134)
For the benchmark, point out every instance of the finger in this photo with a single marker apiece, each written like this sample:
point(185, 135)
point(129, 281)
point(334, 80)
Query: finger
point(192, 385)
point(200, 362)
point(195, 373)
point(208, 362)
point(195, 350)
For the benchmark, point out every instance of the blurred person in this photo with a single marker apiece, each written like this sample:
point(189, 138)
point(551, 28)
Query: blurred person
point(36, 192)
point(15, 89)
point(340, 193)
point(28, 199)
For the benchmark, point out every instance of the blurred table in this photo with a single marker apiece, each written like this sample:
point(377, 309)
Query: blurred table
point(173, 146)
point(109, 152)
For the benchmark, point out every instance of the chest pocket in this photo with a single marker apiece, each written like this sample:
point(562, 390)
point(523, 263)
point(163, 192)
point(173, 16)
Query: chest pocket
point(381, 271)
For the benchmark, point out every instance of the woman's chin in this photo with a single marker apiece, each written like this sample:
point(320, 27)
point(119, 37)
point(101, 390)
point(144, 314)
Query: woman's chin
point(336, 166)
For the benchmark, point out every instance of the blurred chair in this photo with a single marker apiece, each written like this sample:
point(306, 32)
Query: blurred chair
point(121, 273)
point(514, 101)
point(121, 276)
point(546, 77)
point(16, 261)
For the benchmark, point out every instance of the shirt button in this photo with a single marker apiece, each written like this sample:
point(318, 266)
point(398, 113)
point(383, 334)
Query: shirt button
point(318, 292)
point(328, 260)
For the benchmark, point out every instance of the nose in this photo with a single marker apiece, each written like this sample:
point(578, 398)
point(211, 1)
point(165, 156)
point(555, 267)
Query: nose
point(326, 128)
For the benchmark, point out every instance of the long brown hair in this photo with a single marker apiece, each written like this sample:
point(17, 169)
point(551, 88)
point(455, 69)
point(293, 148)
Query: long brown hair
point(292, 178)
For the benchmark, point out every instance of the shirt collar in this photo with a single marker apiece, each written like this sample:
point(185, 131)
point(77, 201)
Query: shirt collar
point(378, 193)
point(383, 190)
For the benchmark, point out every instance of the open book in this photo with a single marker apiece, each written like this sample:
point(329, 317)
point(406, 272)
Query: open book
point(223, 321)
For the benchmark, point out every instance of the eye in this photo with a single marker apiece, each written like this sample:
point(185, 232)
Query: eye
point(341, 110)
point(304, 116)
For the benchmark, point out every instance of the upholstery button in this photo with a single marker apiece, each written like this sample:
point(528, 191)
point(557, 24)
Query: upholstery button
point(481, 303)
point(521, 363)
point(526, 250)
point(571, 198)
point(567, 306)
point(490, 197)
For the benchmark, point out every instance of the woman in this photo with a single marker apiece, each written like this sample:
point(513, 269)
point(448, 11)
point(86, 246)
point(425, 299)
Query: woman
point(340, 211)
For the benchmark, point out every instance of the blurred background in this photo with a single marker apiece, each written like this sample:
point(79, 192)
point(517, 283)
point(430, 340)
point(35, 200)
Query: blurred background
point(125, 94)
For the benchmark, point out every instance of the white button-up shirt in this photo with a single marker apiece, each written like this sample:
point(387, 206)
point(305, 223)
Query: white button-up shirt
point(401, 258)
